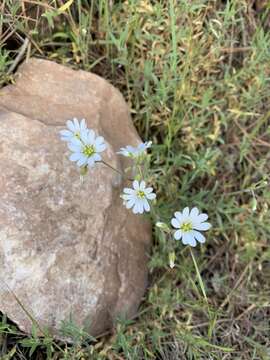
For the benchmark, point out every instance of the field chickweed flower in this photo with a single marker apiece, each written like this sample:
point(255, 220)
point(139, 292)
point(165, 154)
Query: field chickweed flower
point(75, 129)
point(86, 149)
point(137, 198)
point(134, 152)
point(187, 223)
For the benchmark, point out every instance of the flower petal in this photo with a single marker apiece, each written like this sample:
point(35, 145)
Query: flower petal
point(99, 140)
point(100, 147)
point(97, 157)
point(83, 125)
point(70, 126)
point(148, 190)
point(128, 196)
point(175, 223)
point(75, 141)
point(123, 152)
point(66, 133)
point(188, 239)
point(91, 161)
point(130, 149)
point(75, 156)
point(130, 203)
point(90, 137)
point(185, 212)
point(136, 185)
point(76, 124)
point(192, 241)
point(178, 234)
point(141, 206)
point(202, 226)
point(202, 217)
point(146, 205)
point(136, 208)
point(84, 136)
point(194, 213)
point(150, 196)
point(185, 239)
point(128, 191)
point(178, 215)
point(82, 161)
point(74, 147)
point(198, 236)
point(142, 185)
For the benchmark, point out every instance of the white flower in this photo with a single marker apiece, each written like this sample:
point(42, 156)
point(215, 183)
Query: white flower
point(134, 152)
point(137, 198)
point(187, 224)
point(86, 149)
point(75, 130)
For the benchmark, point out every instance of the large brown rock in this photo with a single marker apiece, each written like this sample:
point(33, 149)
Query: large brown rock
point(67, 249)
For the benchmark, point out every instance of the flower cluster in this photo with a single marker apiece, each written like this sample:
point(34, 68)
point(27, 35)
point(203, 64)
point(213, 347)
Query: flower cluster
point(86, 148)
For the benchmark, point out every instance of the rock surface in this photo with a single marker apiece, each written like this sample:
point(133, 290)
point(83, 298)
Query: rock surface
point(67, 250)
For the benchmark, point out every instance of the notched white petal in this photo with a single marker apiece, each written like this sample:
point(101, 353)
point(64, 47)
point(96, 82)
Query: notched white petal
point(178, 234)
point(194, 212)
point(202, 217)
point(151, 196)
point(146, 205)
point(186, 212)
point(136, 185)
point(178, 215)
point(198, 236)
point(175, 223)
point(202, 226)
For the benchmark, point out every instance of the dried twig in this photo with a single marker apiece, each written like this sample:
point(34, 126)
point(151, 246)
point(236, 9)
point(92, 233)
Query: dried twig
point(238, 282)
point(235, 49)
point(19, 56)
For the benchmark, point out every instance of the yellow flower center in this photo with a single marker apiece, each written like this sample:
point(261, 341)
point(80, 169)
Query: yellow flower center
point(140, 194)
point(88, 150)
point(185, 227)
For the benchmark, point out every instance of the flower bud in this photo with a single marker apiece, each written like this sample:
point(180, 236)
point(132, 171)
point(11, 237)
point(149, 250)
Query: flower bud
point(172, 259)
point(163, 226)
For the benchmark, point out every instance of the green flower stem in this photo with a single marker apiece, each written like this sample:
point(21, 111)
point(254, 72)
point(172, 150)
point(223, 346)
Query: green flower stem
point(212, 316)
point(258, 186)
point(198, 275)
point(116, 170)
point(140, 171)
